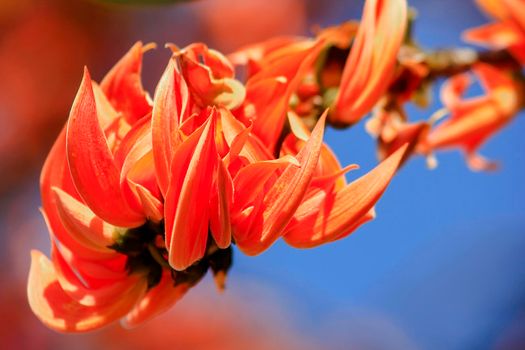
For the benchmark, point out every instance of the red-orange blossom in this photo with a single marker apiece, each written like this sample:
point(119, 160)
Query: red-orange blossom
point(143, 195)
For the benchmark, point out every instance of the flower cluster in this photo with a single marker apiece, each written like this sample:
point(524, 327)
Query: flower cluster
point(142, 196)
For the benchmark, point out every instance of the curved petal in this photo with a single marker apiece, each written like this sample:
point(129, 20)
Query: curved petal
point(220, 207)
point(453, 89)
point(138, 179)
point(252, 147)
point(370, 65)
point(283, 198)
point(494, 8)
point(253, 55)
point(75, 287)
point(333, 215)
point(472, 121)
point(328, 164)
point(267, 102)
point(497, 35)
point(55, 173)
point(251, 179)
point(210, 77)
point(140, 130)
point(82, 224)
point(107, 115)
point(516, 10)
point(93, 169)
point(170, 108)
point(492, 79)
point(58, 311)
point(188, 196)
point(268, 92)
point(151, 205)
point(414, 134)
point(96, 273)
point(123, 86)
point(156, 301)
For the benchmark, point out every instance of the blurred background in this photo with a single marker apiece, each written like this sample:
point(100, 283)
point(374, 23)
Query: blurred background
point(442, 267)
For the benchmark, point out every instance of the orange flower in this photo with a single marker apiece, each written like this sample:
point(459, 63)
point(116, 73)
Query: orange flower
point(105, 211)
point(509, 30)
point(474, 120)
point(143, 197)
point(80, 288)
point(369, 68)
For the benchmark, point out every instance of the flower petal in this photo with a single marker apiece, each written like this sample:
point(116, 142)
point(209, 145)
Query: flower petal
point(140, 130)
point(268, 92)
point(123, 86)
point(58, 311)
point(188, 196)
point(328, 164)
point(251, 180)
point(253, 149)
point(283, 198)
point(210, 77)
point(107, 115)
point(82, 224)
point(151, 205)
point(75, 287)
point(91, 163)
point(370, 65)
point(453, 89)
point(169, 110)
point(138, 179)
point(472, 121)
point(220, 206)
point(498, 35)
point(156, 301)
point(333, 215)
point(56, 173)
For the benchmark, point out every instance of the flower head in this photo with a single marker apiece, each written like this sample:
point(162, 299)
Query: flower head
point(142, 196)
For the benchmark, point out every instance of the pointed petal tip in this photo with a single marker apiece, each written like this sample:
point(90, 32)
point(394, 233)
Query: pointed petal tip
point(398, 155)
point(86, 82)
point(86, 72)
point(323, 117)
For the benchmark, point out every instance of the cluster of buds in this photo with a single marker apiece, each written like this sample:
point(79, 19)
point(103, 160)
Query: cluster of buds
point(142, 196)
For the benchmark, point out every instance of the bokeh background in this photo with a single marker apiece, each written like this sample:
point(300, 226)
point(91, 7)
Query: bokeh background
point(442, 267)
